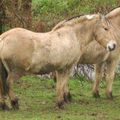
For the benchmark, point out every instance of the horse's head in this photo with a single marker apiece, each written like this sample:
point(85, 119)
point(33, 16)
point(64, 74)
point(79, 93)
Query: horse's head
point(103, 32)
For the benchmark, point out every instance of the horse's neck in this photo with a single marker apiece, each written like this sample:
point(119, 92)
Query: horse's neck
point(84, 34)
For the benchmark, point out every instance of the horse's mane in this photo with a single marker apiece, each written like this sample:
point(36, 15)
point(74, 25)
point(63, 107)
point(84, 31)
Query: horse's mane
point(113, 13)
point(71, 21)
point(59, 25)
point(78, 16)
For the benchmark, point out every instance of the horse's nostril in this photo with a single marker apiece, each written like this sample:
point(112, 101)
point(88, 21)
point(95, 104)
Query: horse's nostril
point(112, 47)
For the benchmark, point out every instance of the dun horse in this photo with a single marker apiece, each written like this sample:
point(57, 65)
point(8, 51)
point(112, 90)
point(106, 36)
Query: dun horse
point(111, 60)
point(25, 52)
point(104, 61)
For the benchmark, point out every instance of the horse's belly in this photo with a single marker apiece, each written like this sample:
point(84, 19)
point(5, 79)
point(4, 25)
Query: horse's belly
point(54, 61)
point(44, 69)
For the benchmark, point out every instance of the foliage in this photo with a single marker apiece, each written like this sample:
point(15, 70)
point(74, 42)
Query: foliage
point(53, 11)
point(47, 13)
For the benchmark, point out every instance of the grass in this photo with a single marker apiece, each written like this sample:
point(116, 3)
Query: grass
point(37, 102)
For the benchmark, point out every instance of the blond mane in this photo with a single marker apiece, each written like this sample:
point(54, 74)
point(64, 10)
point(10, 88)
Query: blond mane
point(74, 21)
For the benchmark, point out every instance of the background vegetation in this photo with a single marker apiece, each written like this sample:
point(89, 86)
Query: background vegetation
point(52, 11)
point(42, 15)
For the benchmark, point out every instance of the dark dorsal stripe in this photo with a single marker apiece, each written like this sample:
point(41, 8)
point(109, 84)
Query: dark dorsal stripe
point(74, 17)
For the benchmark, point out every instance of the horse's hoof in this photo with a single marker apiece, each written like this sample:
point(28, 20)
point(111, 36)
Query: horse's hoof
point(110, 96)
point(96, 94)
point(67, 98)
point(60, 105)
point(3, 106)
point(14, 104)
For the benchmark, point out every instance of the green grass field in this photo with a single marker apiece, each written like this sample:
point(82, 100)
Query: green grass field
point(38, 102)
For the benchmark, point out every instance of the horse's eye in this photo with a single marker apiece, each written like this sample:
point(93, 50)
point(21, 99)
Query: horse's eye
point(106, 29)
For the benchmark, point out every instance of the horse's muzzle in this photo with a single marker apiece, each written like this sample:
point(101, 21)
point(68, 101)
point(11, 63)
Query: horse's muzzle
point(111, 45)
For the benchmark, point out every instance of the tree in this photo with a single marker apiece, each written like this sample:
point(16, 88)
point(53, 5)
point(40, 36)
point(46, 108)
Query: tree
point(19, 13)
point(27, 12)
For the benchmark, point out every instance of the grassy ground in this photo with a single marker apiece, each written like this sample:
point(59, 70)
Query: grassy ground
point(37, 102)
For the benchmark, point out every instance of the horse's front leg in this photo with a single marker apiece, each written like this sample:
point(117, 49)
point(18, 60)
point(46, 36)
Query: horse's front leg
point(67, 95)
point(98, 77)
point(110, 73)
point(13, 98)
point(62, 79)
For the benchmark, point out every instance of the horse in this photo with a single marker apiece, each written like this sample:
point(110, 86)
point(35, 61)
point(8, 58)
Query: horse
point(111, 61)
point(23, 52)
point(105, 62)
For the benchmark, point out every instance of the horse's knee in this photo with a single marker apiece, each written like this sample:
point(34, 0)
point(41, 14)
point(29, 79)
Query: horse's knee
point(14, 104)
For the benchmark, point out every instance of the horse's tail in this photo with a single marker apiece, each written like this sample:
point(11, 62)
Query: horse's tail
point(3, 79)
point(3, 71)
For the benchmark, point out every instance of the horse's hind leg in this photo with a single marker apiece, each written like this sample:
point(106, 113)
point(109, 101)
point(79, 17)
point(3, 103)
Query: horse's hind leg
point(3, 105)
point(11, 76)
point(3, 90)
point(13, 98)
point(62, 79)
point(98, 77)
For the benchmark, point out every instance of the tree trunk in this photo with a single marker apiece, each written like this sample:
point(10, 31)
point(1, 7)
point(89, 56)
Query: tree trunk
point(2, 16)
point(26, 12)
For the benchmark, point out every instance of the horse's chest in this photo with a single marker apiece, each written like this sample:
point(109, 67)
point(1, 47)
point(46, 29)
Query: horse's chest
point(93, 58)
